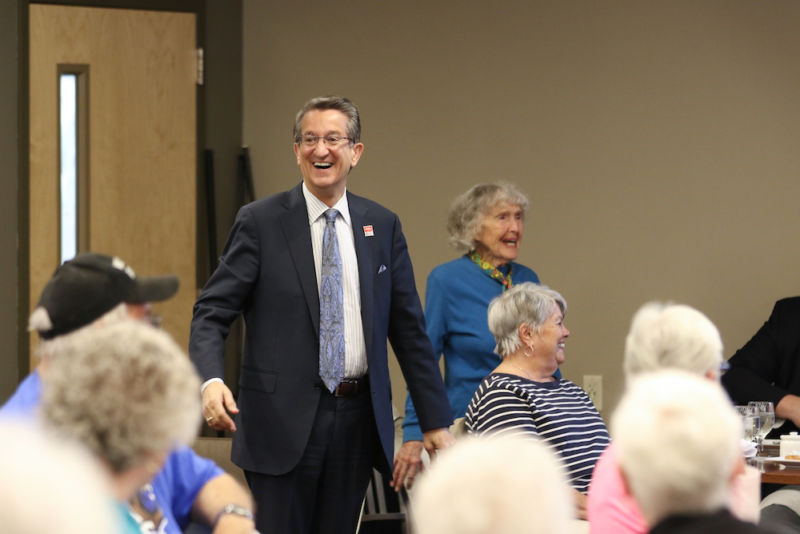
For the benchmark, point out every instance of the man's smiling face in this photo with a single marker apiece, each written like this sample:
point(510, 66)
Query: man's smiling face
point(325, 168)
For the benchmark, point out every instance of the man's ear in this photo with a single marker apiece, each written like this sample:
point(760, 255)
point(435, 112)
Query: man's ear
point(358, 150)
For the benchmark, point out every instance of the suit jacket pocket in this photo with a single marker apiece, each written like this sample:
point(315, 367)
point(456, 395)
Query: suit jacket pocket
point(258, 380)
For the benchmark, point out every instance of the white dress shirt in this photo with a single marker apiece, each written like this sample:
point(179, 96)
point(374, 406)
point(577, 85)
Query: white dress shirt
point(355, 350)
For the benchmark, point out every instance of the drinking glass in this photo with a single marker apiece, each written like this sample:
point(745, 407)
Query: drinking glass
point(766, 417)
point(750, 422)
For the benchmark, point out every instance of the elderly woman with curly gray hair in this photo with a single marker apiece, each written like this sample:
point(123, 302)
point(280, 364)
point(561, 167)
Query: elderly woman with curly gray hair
point(128, 394)
point(486, 224)
point(522, 397)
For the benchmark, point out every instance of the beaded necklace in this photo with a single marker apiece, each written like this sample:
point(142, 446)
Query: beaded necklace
point(492, 271)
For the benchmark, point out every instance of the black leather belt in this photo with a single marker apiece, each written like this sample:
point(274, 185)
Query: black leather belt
point(349, 387)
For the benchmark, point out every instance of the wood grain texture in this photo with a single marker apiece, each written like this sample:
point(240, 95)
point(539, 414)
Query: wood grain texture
point(141, 139)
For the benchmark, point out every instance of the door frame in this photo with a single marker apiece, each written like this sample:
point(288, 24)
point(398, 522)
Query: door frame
point(23, 187)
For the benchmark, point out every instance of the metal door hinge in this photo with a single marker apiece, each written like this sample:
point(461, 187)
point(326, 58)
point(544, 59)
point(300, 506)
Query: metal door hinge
point(200, 66)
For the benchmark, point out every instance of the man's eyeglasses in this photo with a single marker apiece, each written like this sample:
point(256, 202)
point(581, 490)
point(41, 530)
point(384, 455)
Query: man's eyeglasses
point(331, 141)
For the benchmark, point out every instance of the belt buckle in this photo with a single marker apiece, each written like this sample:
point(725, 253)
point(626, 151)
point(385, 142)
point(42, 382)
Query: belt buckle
point(346, 388)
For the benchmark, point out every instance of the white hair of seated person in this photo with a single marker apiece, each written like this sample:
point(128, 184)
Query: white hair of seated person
point(48, 486)
point(676, 336)
point(677, 437)
point(126, 391)
point(493, 485)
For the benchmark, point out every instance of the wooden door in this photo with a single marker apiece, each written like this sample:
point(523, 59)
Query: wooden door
point(140, 136)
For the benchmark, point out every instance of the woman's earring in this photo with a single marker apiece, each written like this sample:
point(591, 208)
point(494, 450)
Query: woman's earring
point(530, 347)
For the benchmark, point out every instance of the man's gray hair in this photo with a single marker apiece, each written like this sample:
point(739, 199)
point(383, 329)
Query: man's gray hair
point(666, 335)
point(677, 436)
point(493, 485)
point(525, 303)
point(338, 103)
point(127, 391)
point(47, 349)
point(469, 209)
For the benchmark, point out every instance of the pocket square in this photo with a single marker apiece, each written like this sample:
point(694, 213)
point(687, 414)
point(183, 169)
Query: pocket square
point(381, 269)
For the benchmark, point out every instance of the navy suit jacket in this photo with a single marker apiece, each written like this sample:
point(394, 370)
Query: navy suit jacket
point(267, 274)
point(768, 366)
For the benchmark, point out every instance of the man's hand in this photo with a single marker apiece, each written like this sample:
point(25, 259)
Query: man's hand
point(437, 439)
point(789, 408)
point(217, 403)
point(407, 464)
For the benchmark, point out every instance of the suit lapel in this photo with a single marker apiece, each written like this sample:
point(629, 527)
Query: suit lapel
point(364, 255)
point(294, 222)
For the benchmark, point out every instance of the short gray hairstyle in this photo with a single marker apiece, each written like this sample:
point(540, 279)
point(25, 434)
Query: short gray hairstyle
point(468, 210)
point(493, 485)
point(666, 335)
point(50, 485)
point(525, 303)
point(339, 103)
point(677, 436)
point(126, 391)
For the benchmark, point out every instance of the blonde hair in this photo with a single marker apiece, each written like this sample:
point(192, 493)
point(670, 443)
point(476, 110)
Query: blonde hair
point(50, 485)
point(493, 485)
point(677, 436)
point(674, 336)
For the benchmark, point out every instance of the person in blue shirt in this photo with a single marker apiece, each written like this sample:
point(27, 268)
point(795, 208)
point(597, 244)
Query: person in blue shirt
point(486, 222)
point(92, 290)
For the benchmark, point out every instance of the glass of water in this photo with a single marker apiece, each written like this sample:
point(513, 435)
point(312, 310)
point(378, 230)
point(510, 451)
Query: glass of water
point(750, 422)
point(766, 417)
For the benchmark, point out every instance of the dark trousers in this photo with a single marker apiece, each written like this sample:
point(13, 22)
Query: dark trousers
point(324, 492)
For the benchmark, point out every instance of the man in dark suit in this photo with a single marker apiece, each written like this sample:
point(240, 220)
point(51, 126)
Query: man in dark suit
point(767, 368)
point(308, 444)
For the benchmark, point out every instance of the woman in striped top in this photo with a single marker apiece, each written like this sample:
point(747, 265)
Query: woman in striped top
point(521, 396)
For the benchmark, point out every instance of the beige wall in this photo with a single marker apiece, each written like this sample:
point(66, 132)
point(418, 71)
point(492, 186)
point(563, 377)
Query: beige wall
point(658, 141)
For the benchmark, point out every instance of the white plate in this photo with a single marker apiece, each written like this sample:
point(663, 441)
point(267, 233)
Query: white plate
point(782, 460)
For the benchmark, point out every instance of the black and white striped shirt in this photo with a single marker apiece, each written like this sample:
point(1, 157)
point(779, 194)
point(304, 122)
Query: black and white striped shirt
point(560, 413)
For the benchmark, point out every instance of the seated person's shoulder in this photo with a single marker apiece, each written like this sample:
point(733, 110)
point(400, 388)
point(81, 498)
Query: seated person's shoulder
point(187, 464)
point(788, 305)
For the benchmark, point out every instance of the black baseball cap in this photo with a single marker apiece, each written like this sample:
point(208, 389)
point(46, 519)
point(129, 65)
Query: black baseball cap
point(88, 286)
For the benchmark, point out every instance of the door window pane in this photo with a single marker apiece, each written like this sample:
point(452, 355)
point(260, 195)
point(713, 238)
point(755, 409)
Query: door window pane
point(68, 142)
